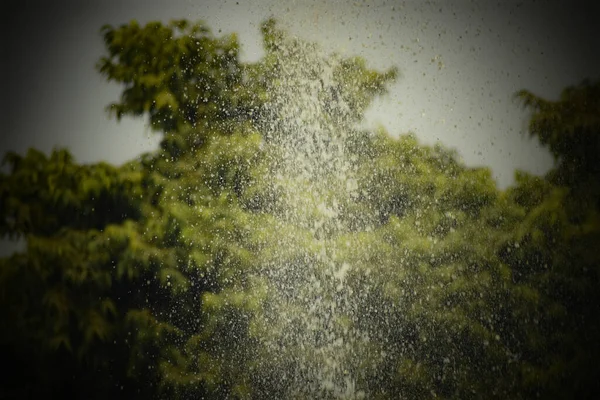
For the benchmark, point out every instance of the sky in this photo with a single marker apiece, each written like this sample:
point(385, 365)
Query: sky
point(460, 62)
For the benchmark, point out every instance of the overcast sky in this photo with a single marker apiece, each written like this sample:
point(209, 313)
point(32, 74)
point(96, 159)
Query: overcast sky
point(460, 63)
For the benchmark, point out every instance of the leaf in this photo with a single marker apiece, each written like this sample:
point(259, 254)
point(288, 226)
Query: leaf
point(107, 306)
point(60, 340)
point(56, 299)
point(94, 325)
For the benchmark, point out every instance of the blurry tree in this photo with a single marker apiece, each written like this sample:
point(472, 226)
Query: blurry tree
point(177, 73)
point(66, 301)
point(106, 292)
point(270, 238)
point(569, 127)
point(559, 236)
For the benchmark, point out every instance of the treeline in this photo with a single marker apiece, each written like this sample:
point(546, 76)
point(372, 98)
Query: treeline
point(182, 273)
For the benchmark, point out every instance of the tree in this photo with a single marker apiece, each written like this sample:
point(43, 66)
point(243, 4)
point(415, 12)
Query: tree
point(119, 294)
point(271, 248)
point(569, 127)
point(558, 237)
point(64, 297)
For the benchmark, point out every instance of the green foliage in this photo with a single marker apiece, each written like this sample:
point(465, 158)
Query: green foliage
point(176, 73)
point(569, 127)
point(195, 271)
point(80, 196)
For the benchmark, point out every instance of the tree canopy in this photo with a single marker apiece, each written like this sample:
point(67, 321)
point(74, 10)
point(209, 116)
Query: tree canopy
point(273, 248)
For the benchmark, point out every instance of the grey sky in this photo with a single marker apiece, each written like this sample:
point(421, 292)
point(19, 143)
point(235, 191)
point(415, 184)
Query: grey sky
point(460, 63)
